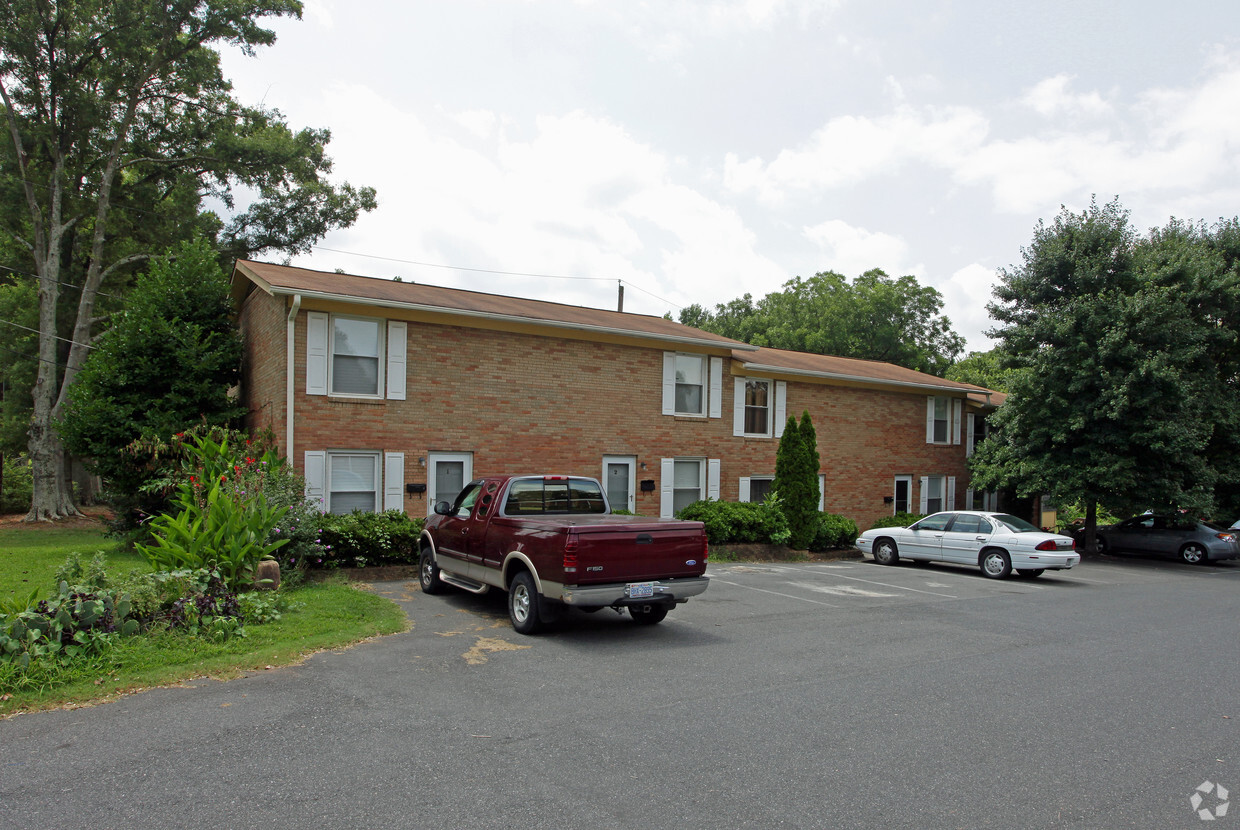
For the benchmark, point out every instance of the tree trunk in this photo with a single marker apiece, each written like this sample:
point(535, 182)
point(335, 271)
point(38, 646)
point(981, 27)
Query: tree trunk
point(1091, 527)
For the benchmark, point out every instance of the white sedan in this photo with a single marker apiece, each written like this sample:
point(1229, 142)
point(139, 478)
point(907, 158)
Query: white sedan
point(998, 543)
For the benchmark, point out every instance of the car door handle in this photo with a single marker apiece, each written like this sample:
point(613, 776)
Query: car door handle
point(980, 539)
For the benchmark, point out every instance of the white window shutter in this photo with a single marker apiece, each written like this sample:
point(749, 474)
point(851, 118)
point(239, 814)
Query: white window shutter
point(970, 420)
point(968, 499)
point(669, 383)
point(822, 492)
point(950, 504)
point(712, 478)
point(317, 324)
point(781, 408)
point(716, 387)
point(930, 420)
point(393, 481)
point(316, 478)
point(925, 489)
point(957, 406)
point(397, 331)
point(667, 469)
point(738, 406)
point(743, 490)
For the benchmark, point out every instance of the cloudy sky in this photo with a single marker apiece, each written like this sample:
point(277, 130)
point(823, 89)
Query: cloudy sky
point(701, 150)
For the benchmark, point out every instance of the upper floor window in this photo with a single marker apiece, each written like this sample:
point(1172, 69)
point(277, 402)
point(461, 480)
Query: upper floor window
point(690, 384)
point(757, 407)
point(355, 356)
point(943, 420)
point(357, 343)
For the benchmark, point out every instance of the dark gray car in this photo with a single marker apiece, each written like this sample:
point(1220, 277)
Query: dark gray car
point(1190, 540)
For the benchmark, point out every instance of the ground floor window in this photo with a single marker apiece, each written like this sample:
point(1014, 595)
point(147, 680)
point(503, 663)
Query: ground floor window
point(688, 482)
point(755, 488)
point(938, 493)
point(353, 482)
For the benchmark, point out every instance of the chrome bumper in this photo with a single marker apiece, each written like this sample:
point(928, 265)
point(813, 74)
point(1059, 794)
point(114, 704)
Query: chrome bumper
point(665, 590)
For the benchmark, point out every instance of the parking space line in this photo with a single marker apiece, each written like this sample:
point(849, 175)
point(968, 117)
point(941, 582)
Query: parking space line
point(776, 593)
point(896, 587)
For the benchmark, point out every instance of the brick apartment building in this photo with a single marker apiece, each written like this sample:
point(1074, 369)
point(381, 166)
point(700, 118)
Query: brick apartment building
point(390, 394)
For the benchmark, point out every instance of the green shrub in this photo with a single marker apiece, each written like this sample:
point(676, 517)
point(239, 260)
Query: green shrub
point(224, 520)
point(898, 520)
point(75, 622)
point(739, 522)
point(358, 539)
point(833, 532)
point(18, 485)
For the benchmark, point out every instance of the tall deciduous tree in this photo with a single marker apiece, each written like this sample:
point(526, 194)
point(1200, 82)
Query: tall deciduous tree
point(1115, 392)
point(875, 317)
point(119, 124)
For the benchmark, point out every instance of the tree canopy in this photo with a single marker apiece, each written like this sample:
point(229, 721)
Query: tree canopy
point(874, 317)
point(119, 129)
point(167, 363)
point(1122, 359)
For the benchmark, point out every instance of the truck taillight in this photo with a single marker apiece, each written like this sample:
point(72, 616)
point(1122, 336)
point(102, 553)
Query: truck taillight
point(570, 553)
point(705, 550)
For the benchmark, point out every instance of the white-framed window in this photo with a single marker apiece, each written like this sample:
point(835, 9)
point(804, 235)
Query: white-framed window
point(975, 432)
point(759, 407)
point(943, 419)
point(755, 488)
point(341, 481)
point(938, 493)
point(354, 356)
point(352, 482)
point(692, 385)
point(686, 480)
point(356, 343)
point(987, 500)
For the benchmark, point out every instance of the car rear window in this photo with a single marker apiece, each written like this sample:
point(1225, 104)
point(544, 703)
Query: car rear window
point(1016, 523)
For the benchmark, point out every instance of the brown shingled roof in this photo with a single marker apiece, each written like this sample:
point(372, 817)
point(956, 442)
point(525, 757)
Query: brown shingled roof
point(850, 368)
point(284, 279)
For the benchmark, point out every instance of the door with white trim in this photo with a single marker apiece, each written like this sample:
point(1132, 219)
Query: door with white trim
point(447, 473)
point(619, 477)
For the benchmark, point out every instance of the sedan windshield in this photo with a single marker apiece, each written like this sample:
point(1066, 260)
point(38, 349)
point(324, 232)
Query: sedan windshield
point(1016, 523)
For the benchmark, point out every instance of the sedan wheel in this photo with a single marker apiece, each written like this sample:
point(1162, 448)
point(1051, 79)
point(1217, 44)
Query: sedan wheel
point(885, 552)
point(1193, 554)
point(996, 564)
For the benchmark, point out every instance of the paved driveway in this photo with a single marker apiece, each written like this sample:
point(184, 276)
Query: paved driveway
point(824, 695)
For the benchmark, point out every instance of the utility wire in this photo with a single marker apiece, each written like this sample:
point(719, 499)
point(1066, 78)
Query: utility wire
point(36, 331)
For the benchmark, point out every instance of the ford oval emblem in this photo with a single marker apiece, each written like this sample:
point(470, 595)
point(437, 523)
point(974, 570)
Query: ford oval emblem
point(691, 562)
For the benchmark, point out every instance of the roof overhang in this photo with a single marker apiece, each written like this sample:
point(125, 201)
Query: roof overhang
point(512, 319)
point(899, 384)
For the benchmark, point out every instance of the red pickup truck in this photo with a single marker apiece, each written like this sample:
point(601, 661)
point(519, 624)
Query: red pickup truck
point(552, 541)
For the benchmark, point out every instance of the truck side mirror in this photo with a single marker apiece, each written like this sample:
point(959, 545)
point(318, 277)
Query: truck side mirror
point(443, 508)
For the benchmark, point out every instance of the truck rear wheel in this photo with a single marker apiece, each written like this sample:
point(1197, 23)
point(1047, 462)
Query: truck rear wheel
point(649, 614)
point(524, 607)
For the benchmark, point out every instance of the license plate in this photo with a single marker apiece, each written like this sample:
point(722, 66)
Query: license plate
point(641, 590)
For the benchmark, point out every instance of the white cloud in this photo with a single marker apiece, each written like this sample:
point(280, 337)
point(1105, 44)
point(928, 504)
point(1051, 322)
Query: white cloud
point(965, 296)
point(850, 149)
point(852, 251)
point(1052, 99)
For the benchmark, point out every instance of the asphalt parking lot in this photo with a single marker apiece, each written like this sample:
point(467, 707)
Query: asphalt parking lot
point(841, 694)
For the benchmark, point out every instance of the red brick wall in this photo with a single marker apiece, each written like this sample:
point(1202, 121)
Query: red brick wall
point(524, 403)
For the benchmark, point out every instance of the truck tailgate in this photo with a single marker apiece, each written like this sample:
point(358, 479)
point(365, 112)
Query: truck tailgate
point(643, 550)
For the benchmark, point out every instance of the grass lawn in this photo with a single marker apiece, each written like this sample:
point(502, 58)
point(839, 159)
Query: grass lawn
point(327, 615)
